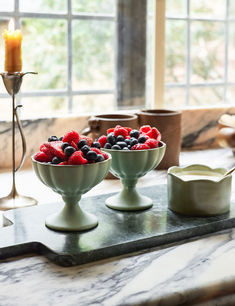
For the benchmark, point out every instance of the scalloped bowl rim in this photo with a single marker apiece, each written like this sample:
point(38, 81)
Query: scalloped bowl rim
point(69, 166)
point(135, 151)
point(205, 167)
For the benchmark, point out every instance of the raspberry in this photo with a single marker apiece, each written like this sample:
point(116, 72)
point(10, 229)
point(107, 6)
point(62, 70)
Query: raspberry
point(128, 137)
point(102, 140)
point(152, 143)
point(154, 133)
point(96, 150)
point(110, 130)
point(128, 129)
point(42, 157)
point(44, 149)
point(88, 139)
point(55, 149)
point(77, 159)
point(63, 163)
point(145, 129)
point(105, 155)
point(71, 136)
point(120, 131)
point(140, 146)
point(73, 144)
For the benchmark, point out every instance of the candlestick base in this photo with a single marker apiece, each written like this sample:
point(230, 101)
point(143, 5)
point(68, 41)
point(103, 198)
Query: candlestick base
point(18, 201)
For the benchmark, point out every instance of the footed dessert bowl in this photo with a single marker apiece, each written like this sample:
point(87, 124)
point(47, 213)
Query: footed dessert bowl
point(129, 166)
point(71, 181)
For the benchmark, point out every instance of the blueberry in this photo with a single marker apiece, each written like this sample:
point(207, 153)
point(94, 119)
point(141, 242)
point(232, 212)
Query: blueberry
point(91, 155)
point(129, 147)
point(69, 151)
point(125, 149)
point(61, 138)
point(85, 149)
point(107, 146)
point(55, 160)
point(111, 139)
point(121, 144)
point(134, 133)
point(53, 138)
point(81, 143)
point(96, 144)
point(120, 138)
point(64, 145)
point(142, 139)
point(133, 141)
point(100, 158)
point(116, 147)
point(128, 141)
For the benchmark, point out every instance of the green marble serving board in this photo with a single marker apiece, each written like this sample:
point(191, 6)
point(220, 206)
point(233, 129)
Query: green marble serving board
point(117, 233)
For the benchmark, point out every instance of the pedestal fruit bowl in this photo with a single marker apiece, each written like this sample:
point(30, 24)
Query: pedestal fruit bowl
point(71, 166)
point(71, 182)
point(129, 166)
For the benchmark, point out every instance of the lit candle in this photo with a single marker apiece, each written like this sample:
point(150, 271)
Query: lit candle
point(13, 38)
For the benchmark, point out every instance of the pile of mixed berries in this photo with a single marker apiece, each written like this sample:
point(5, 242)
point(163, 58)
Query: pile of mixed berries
point(125, 138)
point(71, 149)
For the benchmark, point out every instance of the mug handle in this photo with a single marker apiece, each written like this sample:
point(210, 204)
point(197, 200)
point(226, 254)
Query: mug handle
point(86, 131)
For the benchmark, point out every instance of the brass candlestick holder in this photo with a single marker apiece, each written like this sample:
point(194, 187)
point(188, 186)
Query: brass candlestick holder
point(12, 82)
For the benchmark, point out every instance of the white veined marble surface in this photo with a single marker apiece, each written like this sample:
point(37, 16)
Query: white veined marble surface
point(196, 272)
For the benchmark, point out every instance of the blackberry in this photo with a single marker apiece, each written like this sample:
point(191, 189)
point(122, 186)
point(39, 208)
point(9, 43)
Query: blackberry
point(100, 158)
point(81, 143)
point(69, 151)
point(91, 156)
point(55, 160)
point(64, 145)
point(116, 147)
point(107, 146)
point(111, 139)
point(121, 144)
point(134, 133)
point(120, 138)
point(96, 144)
point(85, 149)
point(52, 138)
point(142, 139)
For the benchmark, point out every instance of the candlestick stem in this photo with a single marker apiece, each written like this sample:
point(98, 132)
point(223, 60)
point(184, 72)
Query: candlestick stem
point(12, 82)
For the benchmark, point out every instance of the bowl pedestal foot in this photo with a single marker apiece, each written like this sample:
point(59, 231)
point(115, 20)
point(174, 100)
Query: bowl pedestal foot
point(71, 217)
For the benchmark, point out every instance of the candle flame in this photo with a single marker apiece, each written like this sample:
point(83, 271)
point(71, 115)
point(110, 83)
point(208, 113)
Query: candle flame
point(11, 26)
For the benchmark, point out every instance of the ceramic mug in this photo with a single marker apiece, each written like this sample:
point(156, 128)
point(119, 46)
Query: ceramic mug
point(168, 122)
point(99, 124)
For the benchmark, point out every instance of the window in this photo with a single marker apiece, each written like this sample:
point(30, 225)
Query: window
point(78, 47)
point(200, 50)
point(96, 56)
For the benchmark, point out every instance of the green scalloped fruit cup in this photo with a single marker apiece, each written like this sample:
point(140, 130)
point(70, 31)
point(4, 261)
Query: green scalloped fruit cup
point(199, 197)
point(129, 166)
point(71, 181)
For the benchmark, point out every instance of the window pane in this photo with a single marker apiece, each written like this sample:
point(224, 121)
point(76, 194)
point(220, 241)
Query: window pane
point(205, 8)
point(206, 96)
point(231, 53)
point(175, 51)
point(94, 103)
point(6, 5)
point(231, 95)
point(45, 6)
point(93, 54)
point(174, 7)
point(101, 6)
point(43, 107)
point(175, 97)
point(207, 51)
point(44, 50)
point(3, 26)
point(232, 8)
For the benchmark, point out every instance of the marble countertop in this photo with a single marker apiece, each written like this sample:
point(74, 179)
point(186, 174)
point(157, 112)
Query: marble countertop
point(200, 271)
